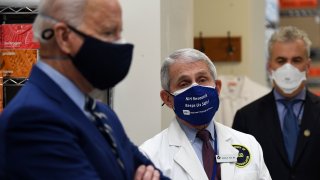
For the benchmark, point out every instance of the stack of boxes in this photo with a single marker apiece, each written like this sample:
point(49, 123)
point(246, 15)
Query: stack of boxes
point(18, 52)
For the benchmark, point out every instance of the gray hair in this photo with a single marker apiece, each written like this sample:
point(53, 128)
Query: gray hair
point(289, 34)
point(51, 12)
point(189, 55)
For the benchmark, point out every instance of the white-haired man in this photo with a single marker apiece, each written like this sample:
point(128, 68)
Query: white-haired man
point(194, 146)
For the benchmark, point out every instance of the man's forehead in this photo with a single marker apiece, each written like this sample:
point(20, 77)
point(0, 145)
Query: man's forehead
point(187, 64)
point(103, 8)
point(187, 69)
point(103, 15)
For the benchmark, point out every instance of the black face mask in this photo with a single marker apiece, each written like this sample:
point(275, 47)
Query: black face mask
point(103, 64)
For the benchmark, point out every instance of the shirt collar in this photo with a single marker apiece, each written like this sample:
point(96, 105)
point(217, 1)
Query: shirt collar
point(64, 83)
point(192, 132)
point(300, 96)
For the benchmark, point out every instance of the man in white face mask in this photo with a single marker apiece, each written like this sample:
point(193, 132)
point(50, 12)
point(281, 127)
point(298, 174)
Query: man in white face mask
point(286, 121)
point(288, 63)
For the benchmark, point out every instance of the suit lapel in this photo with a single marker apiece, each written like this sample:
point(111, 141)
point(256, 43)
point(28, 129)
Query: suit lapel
point(272, 122)
point(186, 156)
point(46, 84)
point(225, 148)
point(308, 124)
point(53, 91)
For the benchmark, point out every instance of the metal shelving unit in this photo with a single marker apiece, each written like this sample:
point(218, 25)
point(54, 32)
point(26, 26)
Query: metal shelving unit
point(299, 12)
point(11, 15)
point(10, 87)
point(18, 10)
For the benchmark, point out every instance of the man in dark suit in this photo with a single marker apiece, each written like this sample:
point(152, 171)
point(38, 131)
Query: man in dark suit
point(53, 129)
point(286, 122)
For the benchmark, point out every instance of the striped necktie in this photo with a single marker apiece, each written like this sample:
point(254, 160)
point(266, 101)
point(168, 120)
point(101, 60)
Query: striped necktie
point(100, 121)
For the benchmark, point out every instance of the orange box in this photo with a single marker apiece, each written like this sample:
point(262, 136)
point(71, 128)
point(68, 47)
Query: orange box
point(286, 4)
point(1, 94)
point(314, 72)
point(17, 36)
point(16, 62)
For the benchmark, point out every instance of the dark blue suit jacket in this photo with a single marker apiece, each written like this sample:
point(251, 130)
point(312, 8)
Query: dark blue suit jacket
point(44, 135)
point(260, 119)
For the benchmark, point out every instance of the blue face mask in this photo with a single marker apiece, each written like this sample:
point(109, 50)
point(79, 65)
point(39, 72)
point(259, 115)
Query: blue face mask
point(196, 104)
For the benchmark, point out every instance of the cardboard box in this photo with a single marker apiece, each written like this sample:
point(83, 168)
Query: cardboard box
point(17, 36)
point(17, 63)
point(298, 4)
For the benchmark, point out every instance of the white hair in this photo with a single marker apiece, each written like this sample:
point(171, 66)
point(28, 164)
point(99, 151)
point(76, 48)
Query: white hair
point(189, 55)
point(289, 34)
point(52, 11)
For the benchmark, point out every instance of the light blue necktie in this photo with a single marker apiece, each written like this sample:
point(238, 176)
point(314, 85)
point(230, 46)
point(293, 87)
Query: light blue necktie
point(290, 129)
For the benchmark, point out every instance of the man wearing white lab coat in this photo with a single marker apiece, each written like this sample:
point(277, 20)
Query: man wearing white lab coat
point(190, 88)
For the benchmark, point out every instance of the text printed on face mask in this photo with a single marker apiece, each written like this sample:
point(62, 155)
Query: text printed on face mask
point(196, 98)
point(198, 104)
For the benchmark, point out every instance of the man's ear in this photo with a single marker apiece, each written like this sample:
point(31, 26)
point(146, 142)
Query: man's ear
point(268, 66)
point(166, 98)
point(308, 65)
point(218, 86)
point(61, 32)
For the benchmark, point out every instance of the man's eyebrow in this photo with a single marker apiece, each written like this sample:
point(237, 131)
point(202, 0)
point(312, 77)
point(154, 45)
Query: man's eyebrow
point(180, 78)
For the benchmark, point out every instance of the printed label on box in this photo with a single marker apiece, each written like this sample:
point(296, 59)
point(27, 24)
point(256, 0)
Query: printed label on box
point(17, 63)
point(17, 36)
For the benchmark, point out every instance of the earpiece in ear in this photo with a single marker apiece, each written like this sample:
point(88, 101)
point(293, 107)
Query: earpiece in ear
point(47, 34)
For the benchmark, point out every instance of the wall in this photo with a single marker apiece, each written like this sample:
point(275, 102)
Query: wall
point(242, 18)
point(176, 32)
point(156, 28)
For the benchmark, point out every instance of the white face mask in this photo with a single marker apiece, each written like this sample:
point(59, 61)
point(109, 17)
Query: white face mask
point(288, 78)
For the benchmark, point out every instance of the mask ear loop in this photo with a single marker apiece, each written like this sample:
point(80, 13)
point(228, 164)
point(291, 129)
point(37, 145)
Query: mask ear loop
point(77, 31)
point(83, 35)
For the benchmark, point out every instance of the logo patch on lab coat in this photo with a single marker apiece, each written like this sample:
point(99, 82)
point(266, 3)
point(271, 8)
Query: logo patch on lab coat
point(243, 156)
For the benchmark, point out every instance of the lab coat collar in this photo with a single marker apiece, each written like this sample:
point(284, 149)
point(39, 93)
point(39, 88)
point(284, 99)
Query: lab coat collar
point(185, 156)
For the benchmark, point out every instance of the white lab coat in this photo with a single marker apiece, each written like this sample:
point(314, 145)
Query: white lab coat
point(236, 92)
point(174, 155)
